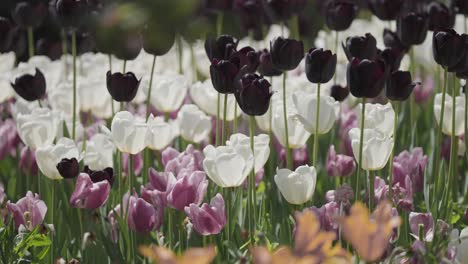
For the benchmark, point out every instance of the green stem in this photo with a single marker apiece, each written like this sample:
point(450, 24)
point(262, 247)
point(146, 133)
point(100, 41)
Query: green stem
point(390, 165)
point(218, 120)
point(180, 54)
point(148, 99)
point(74, 84)
point(124, 66)
point(234, 127)
point(371, 190)
point(131, 177)
point(225, 123)
point(439, 136)
point(453, 141)
point(361, 139)
point(289, 162)
point(219, 23)
point(120, 173)
point(30, 42)
point(316, 136)
point(52, 213)
point(64, 42)
point(336, 52)
point(411, 98)
point(466, 118)
point(169, 228)
point(252, 193)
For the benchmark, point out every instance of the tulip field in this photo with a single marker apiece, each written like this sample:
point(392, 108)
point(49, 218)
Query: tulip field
point(233, 131)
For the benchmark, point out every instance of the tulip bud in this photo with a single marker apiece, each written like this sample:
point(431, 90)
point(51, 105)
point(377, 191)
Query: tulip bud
point(296, 187)
point(391, 40)
point(128, 132)
point(195, 126)
point(249, 59)
point(440, 16)
point(221, 48)
point(6, 34)
point(448, 47)
point(266, 67)
point(339, 93)
point(339, 165)
point(283, 10)
point(157, 44)
point(106, 174)
point(361, 47)
point(461, 6)
point(70, 12)
point(286, 54)
point(251, 13)
point(142, 216)
point(412, 28)
point(339, 14)
point(122, 87)
point(366, 78)
point(88, 194)
point(29, 14)
point(320, 65)
point(392, 58)
point(376, 148)
point(224, 73)
point(208, 219)
point(68, 168)
point(30, 87)
point(385, 9)
point(188, 190)
point(399, 86)
point(253, 95)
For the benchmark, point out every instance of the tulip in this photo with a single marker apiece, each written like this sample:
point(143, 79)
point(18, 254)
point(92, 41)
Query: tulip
point(160, 133)
point(168, 92)
point(155, 191)
point(339, 14)
point(251, 13)
point(320, 65)
point(461, 7)
point(88, 194)
point(195, 125)
point(208, 219)
point(157, 44)
point(70, 12)
point(68, 168)
point(27, 161)
point(283, 10)
point(459, 114)
point(360, 47)
point(143, 217)
point(99, 152)
point(447, 47)
point(249, 59)
point(29, 211)
point(228, 166)
point(298, 135)
point(206, 98)
point(182, 164)
point(298, 186)
point(128, 132)
point(326, 214)
point(30, 87)
point(9, 136)
point(339, 165)
point(224, 74)
point(422, 92)
point(378, 117)
point(48, 157)
point(412, 28)
point(122, 87)
point(461, 244)
point(366, 78)
point(440, 16)
point(385, 9)
point(286, 54)
point(412, 164)
point(253, 95)
point(424, 219)
point(187, 190)
point(266, 67)
point(261, 147)
point(392, 58)
point(392, 40)
point(7, 30)
point(264, 121)
point(339, 93)
point(376, 148)
point(29, 14)
point(137, 160)
point(2, 194)
point(306, 105)
point(96, 176)
point(221, 48)
point(300, 156)
point(399, 86)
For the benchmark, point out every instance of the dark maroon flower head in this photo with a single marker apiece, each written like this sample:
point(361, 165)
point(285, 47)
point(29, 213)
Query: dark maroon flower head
point(266, 67)
point(385, 9)
point(366, 78)
point(448, 47)
point(253, 95)
point(320, 65)
point(221, 48)
point(412, 28)
point(129, 45)
point(286, 54)
point(71, 13)
point(122, 87)
point(440, 16)
point(391, 40)
point(339, 14)
point(29, 13)
point(248, 58)
point(399, 86)
point(339, 92)
point(68, 168)
point(361, 47)
point(392, 58)
point(50, 48)
point(6, 34)
point(30, 87)
point(224, 74)
point(251, 13)
point(106, 174)
point(284, 9)
point(220, 5)
point(462, 65)
point(461, 6)
point(157, 44)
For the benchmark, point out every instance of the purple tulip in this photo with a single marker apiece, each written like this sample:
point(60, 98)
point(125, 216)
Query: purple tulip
point(137, 163)
point(9, 136)
point(29, 211)
point(187, 190)
point(88, 194)
point(182, 164)
point(208, 219)
point(422, 93)
point(326, 215)
point(2, 193)
point(412, 164)
point(424, 219)
point(380, 190)
point(142, 216)
point(403, 194)
point(348, 120)
point(300, 155)
point(342, 195)
point(339, 165)
point(27, 161)
point(155, 191)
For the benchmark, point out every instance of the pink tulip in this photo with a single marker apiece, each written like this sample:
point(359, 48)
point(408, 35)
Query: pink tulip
point(27, 161)
point(208, 219)
point(88, 194)
point(187, 190)
point(339, 165)
point(29, 211)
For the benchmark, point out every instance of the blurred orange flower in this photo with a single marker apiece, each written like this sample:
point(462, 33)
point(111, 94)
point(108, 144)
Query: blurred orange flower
point(163, 255)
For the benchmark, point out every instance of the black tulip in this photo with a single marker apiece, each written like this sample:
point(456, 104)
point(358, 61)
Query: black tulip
point(248, 58)
point(399, 86)
point(392, 58)
point(361, 47)
point(106, 174)
point(6, 34)
point(412, 28)
point(461, 6)
point(224, 74)
point(157, 44)
point(70, 12)
point(253, 94)
point(221, 48)
point(391, 40)
point(286, 54)
point(122, 87)
point(339, 93)
point(68, 168)
point(339, 14)
point(462, 65)
point(366, 78)
point(129, 46)
point(385, 9)
point(251, 13)
point(30, 87)
point(320, 65)
point(29, 14)
point(266, 67)
point(447, 47)
point(440, 16)
point(50, 48)
point(284, 9)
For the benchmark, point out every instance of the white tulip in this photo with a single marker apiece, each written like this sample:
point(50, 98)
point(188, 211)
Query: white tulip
point(6, 68)
point(261, 147)
point(38, 128)
point(168, 92)
point(461, 243)
point(206, 97)
point(48, 157)
point(264, 121)
point(94, 97)
point(297, 134)
point(99, 152)
point(194, 125)
point(61, 98)
point(306, 105)
point(297, 187)
point(161, 133)
point(228, 166)
point(129, 132)
point(459, 114)
point(376, 148)
point(379, 117)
